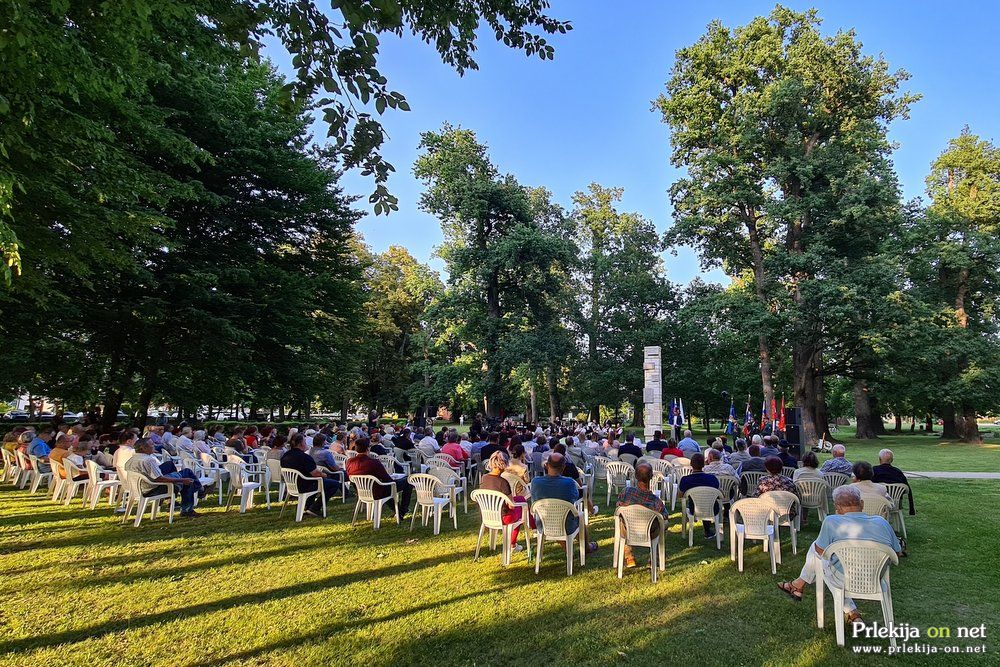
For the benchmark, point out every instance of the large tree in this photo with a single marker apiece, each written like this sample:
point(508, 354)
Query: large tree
point(782, 132)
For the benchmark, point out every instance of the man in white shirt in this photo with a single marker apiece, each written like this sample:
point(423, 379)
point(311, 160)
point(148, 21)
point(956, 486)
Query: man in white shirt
point(428, 444)
point(151, 483)
point(125, 450)
point(183, 442)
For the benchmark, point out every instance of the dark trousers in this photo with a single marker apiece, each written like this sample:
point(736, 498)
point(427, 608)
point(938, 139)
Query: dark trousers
point(187, 492)
point(405, 491)
point(331, 487)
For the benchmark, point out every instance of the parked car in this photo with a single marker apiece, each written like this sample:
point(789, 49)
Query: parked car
point(16, 416)
point(71, 417)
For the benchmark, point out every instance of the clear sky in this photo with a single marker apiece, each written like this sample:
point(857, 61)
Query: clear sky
point(586, 116)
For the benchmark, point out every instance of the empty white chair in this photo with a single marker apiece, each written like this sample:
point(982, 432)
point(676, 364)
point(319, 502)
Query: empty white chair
point(707, 507)
point(140, 502)
point(785, 506)
point(96, 485)
point(749, 481)
point(365, 487)
point(212, 469)
point(429, 502)
point(550, 525)
point(11, 469)
point(814, 494)
point(639, 522)
point(274, 477)
point(453, 484)
point(865, 566)
point(619, 475)
point(897, 492)
point(244, 479)
point(292, 478)
point(492, 507)
point(750, 519)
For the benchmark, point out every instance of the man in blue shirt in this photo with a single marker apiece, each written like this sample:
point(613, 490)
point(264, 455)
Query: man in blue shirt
point(554, 485)
point(689, 445)
point(839, 462)
point(849, 523)
point(40, 447)
point(770, 447)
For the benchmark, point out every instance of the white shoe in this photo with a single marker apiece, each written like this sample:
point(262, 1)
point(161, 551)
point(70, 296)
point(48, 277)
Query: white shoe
point(518, 548)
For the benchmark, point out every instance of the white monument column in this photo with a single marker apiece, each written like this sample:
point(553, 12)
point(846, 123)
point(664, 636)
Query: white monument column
point(652, 393)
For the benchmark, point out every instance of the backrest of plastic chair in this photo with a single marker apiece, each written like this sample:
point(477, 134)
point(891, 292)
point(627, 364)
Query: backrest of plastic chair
point(628, 458)
point(274, 467)
point(447, 458)
point(669, 458)
point(754, 514)
point(619, 472)
point(752, 479)
point(364, 484)
point(812, 491)
point(788, 471)
point(704, 499)
point(234, 466)
point(400, 455)
point(639, 521)
point(350, 453)
point(896, 492)
point(444, 474)
point(424, 485)
point(601, 466)
point(681, 461)
point(57, 469)
point(291, 479)
point(432, 462)
point(7, 462)
point(34, 462)
point(784, 503)
point(551, 516)
point(93, 470)
point(341, 459)
point(873, 505)
point(658, 465)
point(70, 469)
point(835, 479)
point(492, 505)
point(388, 462)
point(865, 564)
point(680, 471)
point(728, 486)
point(516, 483)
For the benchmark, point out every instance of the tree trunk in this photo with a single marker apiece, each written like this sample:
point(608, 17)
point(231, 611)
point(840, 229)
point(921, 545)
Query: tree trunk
point(706, 422)
point(638, 407)
point(345, 407)
point(968, 426)
point(555, 410)
point(862, 412)
point(533, 396)
point(899, 423)
point(803, 355)
point(949, 429)
point(760, 279)
point(929, 423)
point(822, 414)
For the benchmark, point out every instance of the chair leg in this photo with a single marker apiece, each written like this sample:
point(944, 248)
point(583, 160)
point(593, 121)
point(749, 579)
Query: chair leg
point(739, 551)
point(283, 506)
point(437, 519)
point(538, 553)
point(620, 557)
point(413, 518)
point(888, 614)
point(775, 555)
point(357, 508)
point(525, 528)
point(479, 541)
point(838, 614)
point(569, 557)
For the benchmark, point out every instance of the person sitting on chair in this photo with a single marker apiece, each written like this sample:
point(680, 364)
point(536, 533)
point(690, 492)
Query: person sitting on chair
point(839, 462)
point(296, 458)
point(362, 464)
point(672, 450)
point(629, 447)
point(640, 494)
point(715, 465)
point(144, 462)
point(553, 484)
point(774, 481)
point(493, 481)
point(886, 473)
point(863, 480)
point(699, 478)
point(849, 523)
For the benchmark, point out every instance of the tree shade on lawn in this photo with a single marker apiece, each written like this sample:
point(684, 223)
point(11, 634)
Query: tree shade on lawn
point(230, 589)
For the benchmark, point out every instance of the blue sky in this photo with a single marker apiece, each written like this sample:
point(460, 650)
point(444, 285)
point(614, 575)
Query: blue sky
point(586, 116)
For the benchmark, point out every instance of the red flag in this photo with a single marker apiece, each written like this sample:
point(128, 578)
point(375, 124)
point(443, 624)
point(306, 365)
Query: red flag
point(781, 418)
point(774, 413)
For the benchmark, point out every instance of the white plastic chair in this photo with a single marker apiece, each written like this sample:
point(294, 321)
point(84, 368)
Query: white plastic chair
point(897, 492)
point(97, 485)
point(491, 508)
point(705, 499)
point(628, 458)
point(788, 471)
point(140, 502)
point(37, 475)
point(453, 483)
point(70, 485)
point(365, 487)
point(785, 506)
point(429, 502)
point(619, 476)
point(638, 525)
point(550, 525)
point(678, 471)
point(749, 481)
point(244, 479)
point(212, 469)
point(865, 577)
point(24, 466)
point(729, 486)
point(874, 505)
point(814, 494)
point(750, 519)
point(11, 470)
point(274, 477)
point(835, 479)
point(291, 479)
point(517, 485)
point(56, 485)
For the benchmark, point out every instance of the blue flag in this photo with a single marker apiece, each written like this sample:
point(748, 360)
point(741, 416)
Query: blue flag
point(731, 426)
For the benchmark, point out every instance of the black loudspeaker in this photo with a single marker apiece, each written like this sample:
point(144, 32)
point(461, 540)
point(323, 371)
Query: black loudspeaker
point(793, 416)
point(792, 433)
point(795, 450)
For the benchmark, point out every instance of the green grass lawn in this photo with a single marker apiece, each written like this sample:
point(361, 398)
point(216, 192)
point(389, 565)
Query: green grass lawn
point(253, 589)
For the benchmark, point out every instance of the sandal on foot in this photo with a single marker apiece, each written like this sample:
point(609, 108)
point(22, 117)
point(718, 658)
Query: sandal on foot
point(790, 591)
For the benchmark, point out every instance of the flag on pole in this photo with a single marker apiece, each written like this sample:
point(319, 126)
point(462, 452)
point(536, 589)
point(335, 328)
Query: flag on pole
point(763, 412)
point(774, 415)
point(731, 426)
point(781, 418)
point(683, 418)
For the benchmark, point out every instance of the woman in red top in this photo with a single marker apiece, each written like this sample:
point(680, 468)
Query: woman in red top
point(671, 450)
point(250, 437)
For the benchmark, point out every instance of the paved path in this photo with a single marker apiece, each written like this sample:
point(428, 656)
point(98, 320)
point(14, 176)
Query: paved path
point(955, 475)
